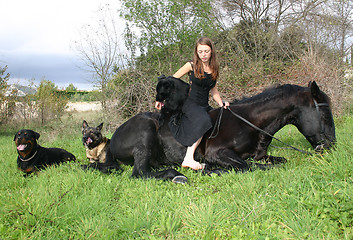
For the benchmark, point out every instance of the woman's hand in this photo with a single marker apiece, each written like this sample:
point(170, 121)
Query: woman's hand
point(158, 105)
point(225, 105)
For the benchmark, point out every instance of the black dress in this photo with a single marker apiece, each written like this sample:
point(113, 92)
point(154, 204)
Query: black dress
point(194, 120)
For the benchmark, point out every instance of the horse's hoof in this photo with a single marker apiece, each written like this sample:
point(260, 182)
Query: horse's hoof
point(180, 179)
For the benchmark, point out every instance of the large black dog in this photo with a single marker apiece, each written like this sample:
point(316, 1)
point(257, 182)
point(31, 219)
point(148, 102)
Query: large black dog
point(147, 144)
point(33, 157)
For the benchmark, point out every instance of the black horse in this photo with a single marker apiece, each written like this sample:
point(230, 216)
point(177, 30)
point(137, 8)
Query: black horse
point(146, 142)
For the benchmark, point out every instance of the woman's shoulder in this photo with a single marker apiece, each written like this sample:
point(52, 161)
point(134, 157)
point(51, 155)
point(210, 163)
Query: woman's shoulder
point(190, 64)
point(186, 68)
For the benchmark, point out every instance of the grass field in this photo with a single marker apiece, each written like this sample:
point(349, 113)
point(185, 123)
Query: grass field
point(310, 197)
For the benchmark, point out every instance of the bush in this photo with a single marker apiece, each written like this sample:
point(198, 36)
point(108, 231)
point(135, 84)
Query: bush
point(49, 103)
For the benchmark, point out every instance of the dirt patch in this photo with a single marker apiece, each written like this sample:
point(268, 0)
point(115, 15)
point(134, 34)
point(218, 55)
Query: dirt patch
point(84, 106)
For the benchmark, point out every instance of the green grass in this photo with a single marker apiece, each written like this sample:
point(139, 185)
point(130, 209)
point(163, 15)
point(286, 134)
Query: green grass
point(310, 197)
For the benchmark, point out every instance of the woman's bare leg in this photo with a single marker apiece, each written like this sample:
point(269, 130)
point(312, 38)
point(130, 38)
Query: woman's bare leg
point(189, 160)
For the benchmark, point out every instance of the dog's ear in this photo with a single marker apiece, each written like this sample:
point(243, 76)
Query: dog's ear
point(100, 126)
point(15, 136)
point(84, 124)
point(161, 77)
point(36, 135)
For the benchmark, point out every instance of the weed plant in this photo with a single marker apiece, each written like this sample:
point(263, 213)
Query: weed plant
point(309, 197)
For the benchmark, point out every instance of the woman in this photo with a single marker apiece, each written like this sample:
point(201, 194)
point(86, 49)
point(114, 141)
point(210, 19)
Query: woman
point(195, 121)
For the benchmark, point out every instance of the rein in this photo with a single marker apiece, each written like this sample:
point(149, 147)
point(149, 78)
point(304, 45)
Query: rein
point(218, 123)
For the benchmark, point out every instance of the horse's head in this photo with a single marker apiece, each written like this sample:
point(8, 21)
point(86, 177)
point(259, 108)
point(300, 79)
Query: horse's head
point(315, 119)
point(172, 92)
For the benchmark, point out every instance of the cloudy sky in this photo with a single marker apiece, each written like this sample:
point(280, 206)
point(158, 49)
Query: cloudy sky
point(36, 39)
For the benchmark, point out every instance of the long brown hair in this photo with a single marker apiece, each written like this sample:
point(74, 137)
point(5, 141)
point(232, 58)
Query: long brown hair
point(198, 68)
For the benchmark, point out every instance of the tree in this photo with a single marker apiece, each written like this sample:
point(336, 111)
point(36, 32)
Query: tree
point(99, 49)
point(4, 106)
point(3, 79)
point(71, 88)
point(261, 22)
point(166, 30)
point(49, 103)
point(339, 18)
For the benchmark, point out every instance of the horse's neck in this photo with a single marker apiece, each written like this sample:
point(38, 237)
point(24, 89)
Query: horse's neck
point(271, 116)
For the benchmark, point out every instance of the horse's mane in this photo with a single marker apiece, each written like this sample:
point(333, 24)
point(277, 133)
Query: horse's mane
point(276, 92)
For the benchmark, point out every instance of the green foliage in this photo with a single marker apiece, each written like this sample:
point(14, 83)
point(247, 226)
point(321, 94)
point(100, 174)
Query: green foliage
point(166, 22)
point(310, 197)
point(132, 93)
point(71, 88)
point(3, 80)
point(50, 104)
point(167, 31)
point(6, 103)
point(84, 96)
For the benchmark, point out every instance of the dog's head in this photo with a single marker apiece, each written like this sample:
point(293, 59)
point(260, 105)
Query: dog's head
point(26, 141)
point(172, 92)
point(91, 136)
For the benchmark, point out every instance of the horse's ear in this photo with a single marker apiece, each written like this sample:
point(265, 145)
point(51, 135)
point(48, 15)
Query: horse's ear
point(315, 90)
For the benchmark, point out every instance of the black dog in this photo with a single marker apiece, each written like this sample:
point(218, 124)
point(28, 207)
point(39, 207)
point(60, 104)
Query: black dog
point(33, 157)
point(96, 147)
point(172, 92)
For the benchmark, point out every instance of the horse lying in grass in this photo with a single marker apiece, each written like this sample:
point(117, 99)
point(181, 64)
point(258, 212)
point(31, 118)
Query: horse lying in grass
point(146, 142)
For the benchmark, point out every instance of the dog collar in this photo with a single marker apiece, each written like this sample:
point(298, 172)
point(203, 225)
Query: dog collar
point(29, 159)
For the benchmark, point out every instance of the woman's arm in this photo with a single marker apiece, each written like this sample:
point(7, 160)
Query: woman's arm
point(217, 97)
point(183, 70)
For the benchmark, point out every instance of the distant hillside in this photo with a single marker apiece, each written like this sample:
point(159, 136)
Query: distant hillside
point(19, 90)
point(25, 89)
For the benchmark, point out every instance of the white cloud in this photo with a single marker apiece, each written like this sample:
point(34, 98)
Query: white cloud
point(43, 26)
point(36, 37)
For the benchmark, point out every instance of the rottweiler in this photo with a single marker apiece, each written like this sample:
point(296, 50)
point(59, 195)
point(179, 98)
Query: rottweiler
point(96, 149)
point(33, 157)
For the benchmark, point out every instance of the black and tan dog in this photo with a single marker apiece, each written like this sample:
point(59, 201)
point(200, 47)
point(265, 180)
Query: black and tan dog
point(96, 145)
point(33, 157)
point(96, 148)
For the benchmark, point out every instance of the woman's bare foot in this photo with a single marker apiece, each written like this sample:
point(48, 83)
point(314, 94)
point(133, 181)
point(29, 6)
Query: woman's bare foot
point(191, 163)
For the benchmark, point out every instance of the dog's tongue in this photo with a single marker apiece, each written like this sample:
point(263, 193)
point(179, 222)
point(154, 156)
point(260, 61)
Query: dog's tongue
point(21, 147)
point(89, 140)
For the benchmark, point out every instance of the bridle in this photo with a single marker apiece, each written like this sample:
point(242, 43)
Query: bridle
point(218, 123)
point(317, 107)
point(322, 129)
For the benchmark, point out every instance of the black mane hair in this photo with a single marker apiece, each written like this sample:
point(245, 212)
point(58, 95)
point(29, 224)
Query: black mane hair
point(276, 92)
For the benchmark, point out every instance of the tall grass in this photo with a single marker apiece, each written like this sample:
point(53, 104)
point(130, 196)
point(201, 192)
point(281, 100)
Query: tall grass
point(310, 197)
